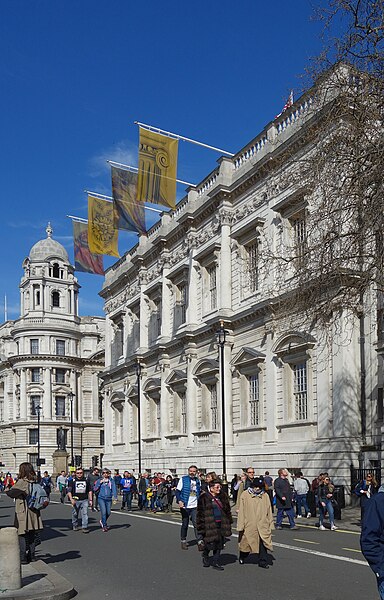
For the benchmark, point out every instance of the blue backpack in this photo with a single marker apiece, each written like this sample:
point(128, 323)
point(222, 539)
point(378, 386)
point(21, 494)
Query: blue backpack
point(37, 497)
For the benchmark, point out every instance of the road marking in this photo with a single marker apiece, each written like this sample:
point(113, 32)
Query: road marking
point(323, 554)
point(337, 530)
point(352, 550)
point(305, 541)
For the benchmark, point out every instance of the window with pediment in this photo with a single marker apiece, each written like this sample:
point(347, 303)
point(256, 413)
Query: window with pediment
point(155, 315)
point(117, 345)
point(294, 213)
point(294, 352)
point(177, 382)
point(247, 245)
point(207, 371)
point(249, 365)
point(152, 417)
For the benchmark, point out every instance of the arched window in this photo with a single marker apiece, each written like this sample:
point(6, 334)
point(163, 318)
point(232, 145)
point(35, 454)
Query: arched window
point(55, 270)
point(55, 299)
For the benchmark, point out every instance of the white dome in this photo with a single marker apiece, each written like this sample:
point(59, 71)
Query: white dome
point(48, 249)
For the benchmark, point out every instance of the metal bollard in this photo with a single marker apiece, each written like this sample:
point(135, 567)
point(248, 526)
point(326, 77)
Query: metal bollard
point(10, 567)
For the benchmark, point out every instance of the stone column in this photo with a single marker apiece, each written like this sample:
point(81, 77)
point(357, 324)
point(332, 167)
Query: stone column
point(225, 271)
point(166, 302)
point(23, 395)
point(10, 568)
point(191, 393)
point(228, 392)
point(269, 377)
point(47, 399)
point(194, 277)
point(164, 399)
point(144, 311)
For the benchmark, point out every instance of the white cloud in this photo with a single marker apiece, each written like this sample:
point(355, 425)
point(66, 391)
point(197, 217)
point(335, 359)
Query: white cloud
point(124, 152)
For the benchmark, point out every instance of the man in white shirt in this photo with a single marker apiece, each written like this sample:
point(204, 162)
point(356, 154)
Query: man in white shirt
point(187, 494)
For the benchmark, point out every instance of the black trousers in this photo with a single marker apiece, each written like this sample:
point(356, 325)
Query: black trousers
point(263, 554)
point(27, 546)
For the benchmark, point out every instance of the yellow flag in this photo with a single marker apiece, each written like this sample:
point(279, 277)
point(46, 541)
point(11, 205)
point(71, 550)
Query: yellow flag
point(157, 169)
point(102, 234)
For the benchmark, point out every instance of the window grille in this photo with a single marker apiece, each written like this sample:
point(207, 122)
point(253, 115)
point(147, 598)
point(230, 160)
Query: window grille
point(254, 399)
point(35, 375)
point(211, 271)
point(34, 346)
point(300, 391)
point(35, 401)
point(60, 347)
point(33, 435)
point(183, 400)
point(60, 376)
point(252, 266)
point(214, 408)
point(300, 236)
point(60, 406)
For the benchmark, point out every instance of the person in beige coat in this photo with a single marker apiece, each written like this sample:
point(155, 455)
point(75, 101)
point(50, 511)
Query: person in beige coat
point(255, 523)
point(28, 522)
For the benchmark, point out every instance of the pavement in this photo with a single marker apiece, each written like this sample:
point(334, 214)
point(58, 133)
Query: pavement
point(40, 580)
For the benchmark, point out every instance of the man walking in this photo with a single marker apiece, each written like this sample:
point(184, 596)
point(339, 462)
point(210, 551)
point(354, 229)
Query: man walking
point(80, 494)
point(284, 504)
point(61, 486)
point(371, 540)
point(92, 478)
point(187, 495)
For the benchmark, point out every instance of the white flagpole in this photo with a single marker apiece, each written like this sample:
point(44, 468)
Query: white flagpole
point(79, 219)
point(135, 170)
point(110, 199)
point(5, 308)
point(181, 137)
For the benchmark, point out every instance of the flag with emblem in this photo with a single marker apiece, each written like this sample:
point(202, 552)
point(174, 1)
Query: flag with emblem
point(85, 261)
point(129, 213)
point(102, 232)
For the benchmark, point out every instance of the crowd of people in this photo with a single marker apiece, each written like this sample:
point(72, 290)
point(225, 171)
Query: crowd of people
point(201, 498)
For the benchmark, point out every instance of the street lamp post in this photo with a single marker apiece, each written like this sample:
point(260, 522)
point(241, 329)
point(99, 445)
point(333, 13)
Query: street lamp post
point(221, 337)
point(138, 381)
point(38, 411)
point(81, 443)
point(71, 396)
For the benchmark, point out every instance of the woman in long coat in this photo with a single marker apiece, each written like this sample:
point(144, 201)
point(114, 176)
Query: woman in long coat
point(255, 523)
point(27, 521)
point(213, 522)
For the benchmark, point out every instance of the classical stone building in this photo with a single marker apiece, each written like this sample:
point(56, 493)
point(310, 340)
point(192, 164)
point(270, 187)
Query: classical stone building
point(50, 358)
point(292, 395)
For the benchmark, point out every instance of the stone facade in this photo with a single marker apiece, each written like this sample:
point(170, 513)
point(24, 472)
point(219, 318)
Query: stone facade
point(46, 355)
point(292, 395)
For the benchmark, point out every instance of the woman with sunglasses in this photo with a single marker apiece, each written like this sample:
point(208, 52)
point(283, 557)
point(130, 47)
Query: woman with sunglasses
point(106, 491)
point(325, 497)
point(364, 490)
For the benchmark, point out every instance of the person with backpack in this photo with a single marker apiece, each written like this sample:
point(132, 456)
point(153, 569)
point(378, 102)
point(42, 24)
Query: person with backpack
point(27, 520)
point(80, 496)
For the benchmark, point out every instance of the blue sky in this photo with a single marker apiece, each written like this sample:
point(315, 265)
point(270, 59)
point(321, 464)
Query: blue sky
point(76, 75)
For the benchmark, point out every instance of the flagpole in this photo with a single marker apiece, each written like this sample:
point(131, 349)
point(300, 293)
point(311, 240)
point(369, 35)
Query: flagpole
point(181, 137)
point(110, 199)
point(135, 170)
point(79, 219)
point(5, 308)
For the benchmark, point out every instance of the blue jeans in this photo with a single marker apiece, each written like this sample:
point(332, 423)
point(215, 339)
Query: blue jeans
point(127, 499)
point(380, 587)
point(105, 509)
point(80, 510)
point(186, 514)
point(280, 516)
point(301, 500)
point(328, 506)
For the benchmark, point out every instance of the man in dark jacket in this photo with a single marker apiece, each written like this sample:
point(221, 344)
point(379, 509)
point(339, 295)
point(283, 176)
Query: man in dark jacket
point(92, 478)
point(372, 537)
point(283, 492)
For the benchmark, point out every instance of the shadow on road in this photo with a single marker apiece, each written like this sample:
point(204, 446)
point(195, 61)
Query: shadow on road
point(54, 558)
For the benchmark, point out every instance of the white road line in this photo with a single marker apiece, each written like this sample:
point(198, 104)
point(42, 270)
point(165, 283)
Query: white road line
point(305, 541)
point(352, 550)
point(234, 535)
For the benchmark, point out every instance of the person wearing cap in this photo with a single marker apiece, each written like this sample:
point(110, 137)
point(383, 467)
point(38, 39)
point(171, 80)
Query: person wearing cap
point(213, 522)
point(255, 523)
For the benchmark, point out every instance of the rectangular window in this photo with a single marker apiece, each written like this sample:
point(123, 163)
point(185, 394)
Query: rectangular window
point(183, 406)
point(300, 391)
point(60, 347)
point(212, 388)
point(380, 406)
point(35, 375)
point(60, 375)
point(101, 437)
point(33, 435)
point(32, 458)
point(254, 400)
point(60, 406)
point(212, 286)
point(300, 236)
point(34, 346)
point(182, 304)
point(35, 403)
point(158, 317)
point(252, 266)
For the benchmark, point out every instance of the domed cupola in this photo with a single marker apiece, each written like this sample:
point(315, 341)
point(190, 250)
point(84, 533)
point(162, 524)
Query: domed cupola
point(49, 285)
point(48, 249)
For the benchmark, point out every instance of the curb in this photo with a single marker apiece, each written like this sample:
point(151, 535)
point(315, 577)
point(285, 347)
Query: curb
point(41, 581)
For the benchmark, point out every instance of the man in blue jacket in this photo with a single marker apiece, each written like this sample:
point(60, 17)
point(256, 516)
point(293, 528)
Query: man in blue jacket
point(372, 537)
point(187, 494)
